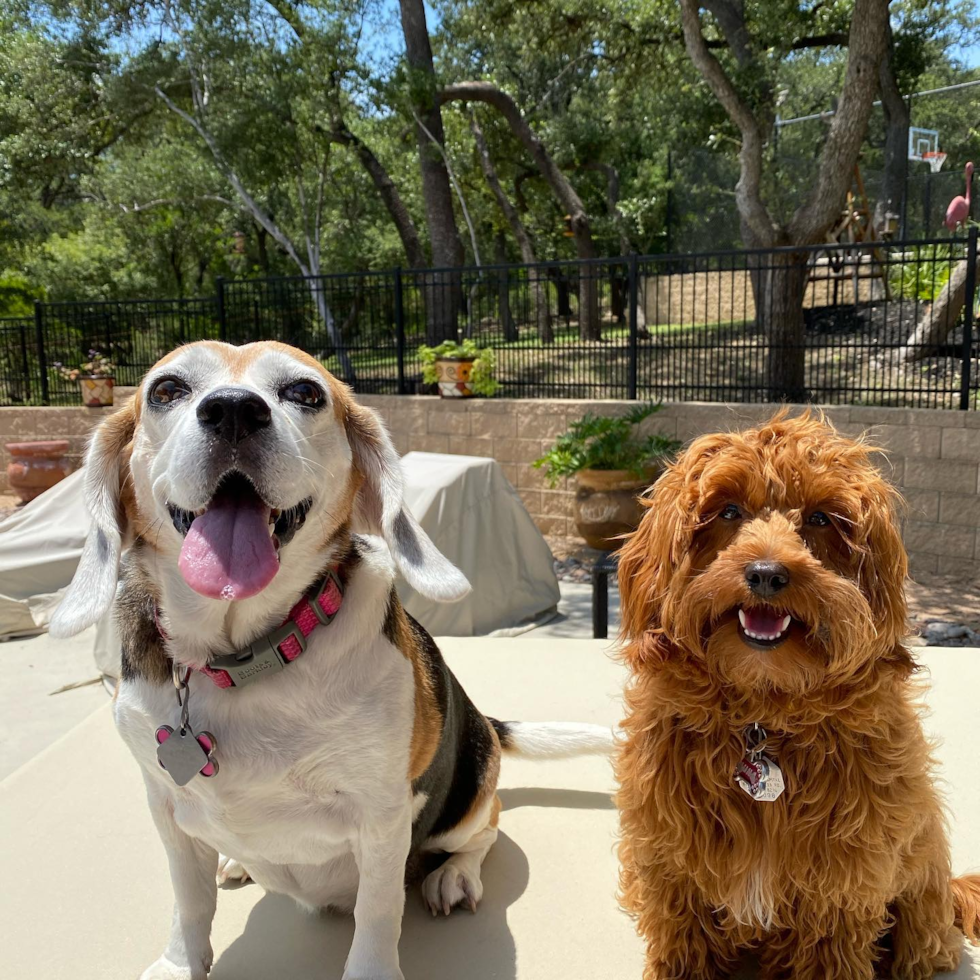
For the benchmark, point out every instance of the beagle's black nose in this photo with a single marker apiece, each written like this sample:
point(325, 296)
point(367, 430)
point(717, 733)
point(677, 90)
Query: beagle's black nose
point(233, 414)
point(766, 578)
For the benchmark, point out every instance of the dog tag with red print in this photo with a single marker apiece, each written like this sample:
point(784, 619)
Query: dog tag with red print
point(760, 777)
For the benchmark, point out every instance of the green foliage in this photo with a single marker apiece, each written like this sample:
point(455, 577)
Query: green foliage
point(483, 379)
point(17, 294)
point(105, 193)
point(924, 275)
point(603, 442)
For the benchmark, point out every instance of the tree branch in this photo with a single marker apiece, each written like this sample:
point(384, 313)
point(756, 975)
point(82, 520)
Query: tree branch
point(507, 107)
point(730, 15)
point(455, 183)
point(386, 188)
point(503, 202)
point(867, 43)
point(748, 191)
point(226, 169)
point(290, 15)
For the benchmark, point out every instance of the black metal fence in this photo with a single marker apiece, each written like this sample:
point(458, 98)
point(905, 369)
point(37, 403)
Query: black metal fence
point(884, 324)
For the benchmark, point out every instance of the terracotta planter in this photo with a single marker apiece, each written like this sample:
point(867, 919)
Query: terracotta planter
point(36, 466)
point(96, 392)
point(606, 505)
point(454, 376)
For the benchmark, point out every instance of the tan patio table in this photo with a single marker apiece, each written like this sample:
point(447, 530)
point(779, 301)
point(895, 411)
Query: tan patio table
point(86, 894)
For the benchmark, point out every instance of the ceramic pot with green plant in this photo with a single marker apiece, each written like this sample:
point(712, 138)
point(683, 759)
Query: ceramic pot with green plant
point(461, 370)
point(96, 379)
point(613, 463)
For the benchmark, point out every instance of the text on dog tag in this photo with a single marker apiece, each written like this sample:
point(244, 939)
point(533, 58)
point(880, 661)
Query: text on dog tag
point(760, 777)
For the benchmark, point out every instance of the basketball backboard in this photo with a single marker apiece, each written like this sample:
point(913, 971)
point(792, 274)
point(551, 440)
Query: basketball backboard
point(922, 141)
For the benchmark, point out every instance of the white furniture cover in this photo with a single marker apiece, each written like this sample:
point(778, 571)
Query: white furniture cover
point(464, 503)
point(477, 520)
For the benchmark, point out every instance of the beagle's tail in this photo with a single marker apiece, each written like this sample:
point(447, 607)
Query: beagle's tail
point(552, 739)
point(966, 901)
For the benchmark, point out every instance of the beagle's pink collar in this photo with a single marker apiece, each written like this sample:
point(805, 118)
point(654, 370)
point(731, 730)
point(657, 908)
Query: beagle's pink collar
point(270, 653)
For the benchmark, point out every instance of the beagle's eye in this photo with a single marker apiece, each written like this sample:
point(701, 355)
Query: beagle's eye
point(730, 513)
point(818, 519)
point(303, 393)
point(168, 390)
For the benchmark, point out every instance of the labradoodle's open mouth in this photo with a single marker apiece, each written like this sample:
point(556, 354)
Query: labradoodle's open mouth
point(231, 547)
point(763, 627)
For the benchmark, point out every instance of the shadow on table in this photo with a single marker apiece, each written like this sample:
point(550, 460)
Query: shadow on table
point(280, 940)
point(568, 799)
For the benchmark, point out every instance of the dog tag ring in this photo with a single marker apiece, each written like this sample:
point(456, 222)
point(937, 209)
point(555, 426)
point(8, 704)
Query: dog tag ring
point(184, 753)
point(757, 773)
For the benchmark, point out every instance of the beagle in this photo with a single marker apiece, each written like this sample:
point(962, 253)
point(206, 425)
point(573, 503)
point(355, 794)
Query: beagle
point(293, 723)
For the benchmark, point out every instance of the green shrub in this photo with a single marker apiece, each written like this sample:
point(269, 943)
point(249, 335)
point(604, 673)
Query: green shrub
point(923, 275)
point(600, 442)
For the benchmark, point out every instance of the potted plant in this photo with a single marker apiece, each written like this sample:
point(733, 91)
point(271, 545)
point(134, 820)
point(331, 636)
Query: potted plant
point(612, 463)
point(95, 379)
point(37, 466)
point(461, 370)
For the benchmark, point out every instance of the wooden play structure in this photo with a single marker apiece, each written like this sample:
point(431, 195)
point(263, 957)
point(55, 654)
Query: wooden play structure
point(839, 266)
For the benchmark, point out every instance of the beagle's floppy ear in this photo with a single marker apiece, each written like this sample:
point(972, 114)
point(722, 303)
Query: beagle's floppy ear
point(379, 503)
point(93, 588)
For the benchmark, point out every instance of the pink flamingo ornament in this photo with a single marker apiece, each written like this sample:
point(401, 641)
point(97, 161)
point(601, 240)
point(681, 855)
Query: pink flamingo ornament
point(959, 208)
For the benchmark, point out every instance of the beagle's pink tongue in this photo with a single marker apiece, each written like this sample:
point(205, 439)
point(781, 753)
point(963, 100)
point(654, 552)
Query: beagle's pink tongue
point(228, 552)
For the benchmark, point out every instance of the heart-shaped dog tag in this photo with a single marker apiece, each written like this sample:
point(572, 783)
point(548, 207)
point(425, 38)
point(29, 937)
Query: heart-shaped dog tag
point(184, 754)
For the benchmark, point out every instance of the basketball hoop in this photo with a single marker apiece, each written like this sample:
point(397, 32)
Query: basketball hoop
point(935, 159)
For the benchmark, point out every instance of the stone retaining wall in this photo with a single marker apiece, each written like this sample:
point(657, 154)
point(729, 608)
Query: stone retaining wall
point(56, 422)
point(933, 455)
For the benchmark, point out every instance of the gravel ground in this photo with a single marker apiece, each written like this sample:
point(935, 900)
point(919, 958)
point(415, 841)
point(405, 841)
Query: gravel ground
point(944, 612)
point(8, 504)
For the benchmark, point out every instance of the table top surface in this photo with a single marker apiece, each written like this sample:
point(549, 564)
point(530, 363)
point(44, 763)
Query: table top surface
point(86, 892)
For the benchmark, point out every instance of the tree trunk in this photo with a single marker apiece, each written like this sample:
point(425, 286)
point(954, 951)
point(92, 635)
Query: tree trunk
point(779, 279)
point(897, 119)
point(315, 285)
point(941, 317)
point(539, 294)
point(617, 293)
point(442, 296)
point(503, 289)
point(589, 325)
point(778, 285)
point(261, 244)
point(560, 279)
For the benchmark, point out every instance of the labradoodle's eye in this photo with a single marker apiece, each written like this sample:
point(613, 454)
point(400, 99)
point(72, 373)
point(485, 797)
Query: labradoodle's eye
point(303, 393)
point(818, 519)
point(730, 513)
point(168, 390)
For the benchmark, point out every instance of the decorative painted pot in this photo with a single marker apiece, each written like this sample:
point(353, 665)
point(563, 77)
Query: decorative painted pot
point(96, 392)
point(454, 376)
point(37, 466)
point(607, 505)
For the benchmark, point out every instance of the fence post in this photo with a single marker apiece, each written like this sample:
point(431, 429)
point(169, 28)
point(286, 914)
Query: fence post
point(400, 331)
point(968, 301)
point(42, 360)
point(219, 286)
point(25, 362)
point(634, 330)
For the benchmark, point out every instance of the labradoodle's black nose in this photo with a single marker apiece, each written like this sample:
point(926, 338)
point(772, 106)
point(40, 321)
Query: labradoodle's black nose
point(233, 414)
point(766, 578)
